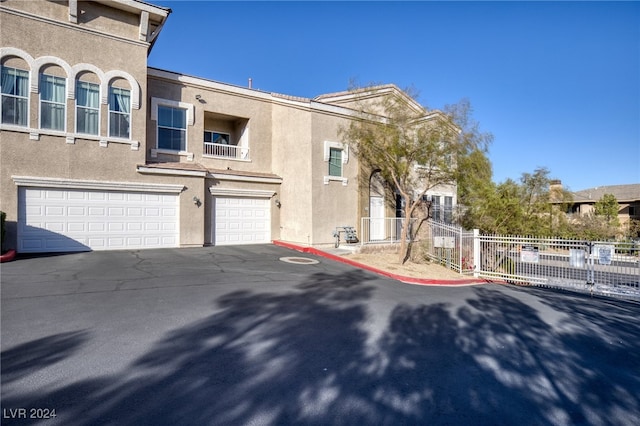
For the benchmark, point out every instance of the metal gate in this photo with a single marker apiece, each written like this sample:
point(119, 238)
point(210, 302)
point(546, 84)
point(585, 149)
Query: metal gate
point(608, 268)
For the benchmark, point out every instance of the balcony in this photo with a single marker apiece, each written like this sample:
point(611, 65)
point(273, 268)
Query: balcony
point(218, 150)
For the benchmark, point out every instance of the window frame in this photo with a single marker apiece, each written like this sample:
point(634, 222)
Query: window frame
point(335, 162)
point(112, 112)
point(16, 97)
point(85, 107)
point(42, 102)
point(436, 207)
point(330, 146)
point(172, 128)
point(447, 209)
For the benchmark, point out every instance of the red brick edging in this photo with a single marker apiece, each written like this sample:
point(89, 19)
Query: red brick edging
point(407, 280)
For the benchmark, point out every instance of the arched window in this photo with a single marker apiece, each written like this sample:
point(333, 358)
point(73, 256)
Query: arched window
point(88, 104)
point(15, 96)
point(119, 111)
point(53, 102)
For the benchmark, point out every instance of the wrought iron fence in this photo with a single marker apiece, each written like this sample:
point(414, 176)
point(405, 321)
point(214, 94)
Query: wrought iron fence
point(609, 268)
point(449, 245)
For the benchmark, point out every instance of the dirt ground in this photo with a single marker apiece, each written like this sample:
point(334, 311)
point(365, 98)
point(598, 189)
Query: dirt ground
point(388, 261)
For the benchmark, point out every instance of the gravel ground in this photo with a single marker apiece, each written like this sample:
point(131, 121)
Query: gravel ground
point(388, 261)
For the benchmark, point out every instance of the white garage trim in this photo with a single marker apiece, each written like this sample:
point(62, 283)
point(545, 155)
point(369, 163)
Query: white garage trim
point(226, 192)
point(96, 184)
point(52, 219)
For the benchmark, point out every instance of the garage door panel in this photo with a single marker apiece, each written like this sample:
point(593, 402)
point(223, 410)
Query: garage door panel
point(135, 226)
point(77, 227)
point(239, 220)
point(77, 195)
point(55, 226)
point(79, 220)
point(76, 211)
point(54, 195)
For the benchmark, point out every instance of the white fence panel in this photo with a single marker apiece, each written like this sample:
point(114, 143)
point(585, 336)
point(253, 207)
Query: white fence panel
point(608, 268)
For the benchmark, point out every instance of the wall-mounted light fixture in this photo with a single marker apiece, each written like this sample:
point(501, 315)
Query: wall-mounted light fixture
point(196, 201)
point(199, 99)
point(278, 204)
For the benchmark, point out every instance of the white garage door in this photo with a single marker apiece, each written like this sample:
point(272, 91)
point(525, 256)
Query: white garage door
point(51, 219)
point(239, 220)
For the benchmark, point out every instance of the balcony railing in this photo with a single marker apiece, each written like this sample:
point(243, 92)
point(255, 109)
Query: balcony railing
point(225, 151)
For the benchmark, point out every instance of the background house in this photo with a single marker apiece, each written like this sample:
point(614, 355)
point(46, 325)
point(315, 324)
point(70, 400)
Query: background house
point(628, 197)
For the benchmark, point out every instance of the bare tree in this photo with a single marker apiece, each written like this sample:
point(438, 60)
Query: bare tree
point(413, 148)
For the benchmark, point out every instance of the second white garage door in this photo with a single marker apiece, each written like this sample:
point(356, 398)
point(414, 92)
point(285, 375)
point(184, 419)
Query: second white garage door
point(240, 220)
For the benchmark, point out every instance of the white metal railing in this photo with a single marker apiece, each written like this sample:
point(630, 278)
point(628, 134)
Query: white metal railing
point(607, 268)
point(225, 151)
point(449, 245)
point(381, 230)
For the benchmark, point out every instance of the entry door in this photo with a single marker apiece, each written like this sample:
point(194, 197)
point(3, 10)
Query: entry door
point(376, 212)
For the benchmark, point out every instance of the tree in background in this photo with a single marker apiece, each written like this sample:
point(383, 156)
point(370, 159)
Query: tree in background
point(529, 207)
point(413, 148)
point(607, 207)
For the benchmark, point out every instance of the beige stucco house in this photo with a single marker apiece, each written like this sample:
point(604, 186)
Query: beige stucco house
point(99, 151)
point(628, 197)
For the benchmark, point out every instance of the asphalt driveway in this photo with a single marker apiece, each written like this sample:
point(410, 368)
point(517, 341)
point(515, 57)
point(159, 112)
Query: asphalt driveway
point(234, 336)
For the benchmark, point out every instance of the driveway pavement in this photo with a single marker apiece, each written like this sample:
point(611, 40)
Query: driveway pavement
point(234, 336)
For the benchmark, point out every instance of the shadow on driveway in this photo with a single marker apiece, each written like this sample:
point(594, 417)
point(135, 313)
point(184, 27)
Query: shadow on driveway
point(303, 356)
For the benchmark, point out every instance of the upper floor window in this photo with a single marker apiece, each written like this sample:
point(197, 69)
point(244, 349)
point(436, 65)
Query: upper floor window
point(119, 112)
point(335, 162)
point(336, 154)
point(172, 128)
point(15, 96)
point(87, 108)
point(52, 102)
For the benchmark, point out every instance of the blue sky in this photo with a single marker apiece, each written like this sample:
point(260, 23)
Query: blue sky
point(557, 83)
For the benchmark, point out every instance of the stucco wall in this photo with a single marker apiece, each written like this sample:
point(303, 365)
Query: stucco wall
point(292, 161)
point(333, 203)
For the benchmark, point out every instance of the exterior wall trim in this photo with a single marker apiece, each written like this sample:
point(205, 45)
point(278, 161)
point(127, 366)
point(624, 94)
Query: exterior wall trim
point(95, 184)
point(229, 192)
point(237, 178)
point(34, 134)
point(173, 172)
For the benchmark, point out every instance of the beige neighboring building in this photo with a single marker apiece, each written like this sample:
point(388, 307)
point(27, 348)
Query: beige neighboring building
point(628, 197)
point(98, 151)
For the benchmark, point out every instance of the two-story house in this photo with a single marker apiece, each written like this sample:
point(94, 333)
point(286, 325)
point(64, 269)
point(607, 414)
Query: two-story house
point(99, 151)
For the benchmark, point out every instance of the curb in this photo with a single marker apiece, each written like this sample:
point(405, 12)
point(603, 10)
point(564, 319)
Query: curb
point(8, 256)
point(401, 278)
